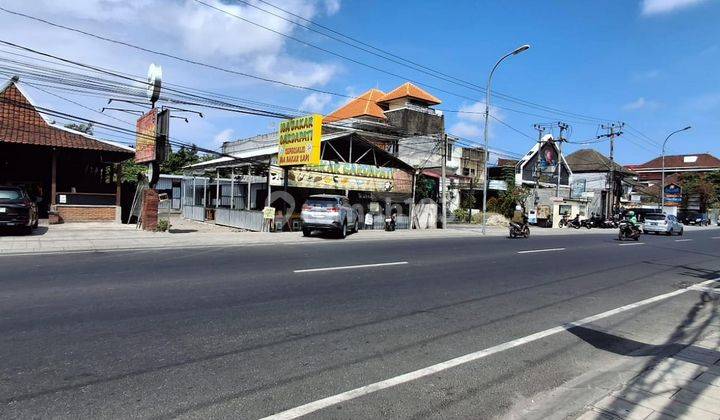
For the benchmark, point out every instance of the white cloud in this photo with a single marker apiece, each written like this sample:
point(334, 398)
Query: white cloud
point(471, 118)
point(332, 6)
point(465, 129)
point(188, 29)
point(640, 103)
point(315, 102)
point(223, 136)
point(184, 28)
point(655, 7)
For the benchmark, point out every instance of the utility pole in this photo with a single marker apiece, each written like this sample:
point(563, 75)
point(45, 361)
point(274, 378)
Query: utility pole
point(444, 181)
point(540, 129)
point(563, 127)
point(611, 182)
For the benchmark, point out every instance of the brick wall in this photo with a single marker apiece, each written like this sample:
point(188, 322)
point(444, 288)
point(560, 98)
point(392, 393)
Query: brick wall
point(69, 213)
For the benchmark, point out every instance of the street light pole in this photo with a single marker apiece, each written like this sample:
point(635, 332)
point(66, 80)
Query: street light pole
point(485, 135)
point(662, 188)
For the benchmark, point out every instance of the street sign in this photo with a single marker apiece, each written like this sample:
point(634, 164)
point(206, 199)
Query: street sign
point(299, 141)
point(154, 82)
point(498, 185)
point(269, 213)
point(673, 195)
point(146, 137)
point(578, 188)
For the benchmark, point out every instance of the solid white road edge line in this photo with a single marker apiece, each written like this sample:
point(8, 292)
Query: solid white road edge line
point(541, 250)
point(311, 407)
point(683, 240)
point(349, 267)
point(632, 243)
point(705, 289)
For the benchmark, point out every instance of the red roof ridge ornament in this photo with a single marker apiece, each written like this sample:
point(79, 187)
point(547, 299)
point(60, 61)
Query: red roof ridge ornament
point(154, 83)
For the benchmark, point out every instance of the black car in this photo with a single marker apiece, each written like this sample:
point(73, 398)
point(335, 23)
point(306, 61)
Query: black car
point(700, 219)
point(17, 209)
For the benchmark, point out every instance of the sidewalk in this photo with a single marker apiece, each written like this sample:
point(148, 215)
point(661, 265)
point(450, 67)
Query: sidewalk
point(685, 385)
point(85, 237)
point(95, 236)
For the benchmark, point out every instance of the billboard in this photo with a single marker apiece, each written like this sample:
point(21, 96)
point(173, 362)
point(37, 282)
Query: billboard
point(673, 195)
point(541, 165)
point(345, 176)
point(299, 141)
point(146, 137)
point(578, 188)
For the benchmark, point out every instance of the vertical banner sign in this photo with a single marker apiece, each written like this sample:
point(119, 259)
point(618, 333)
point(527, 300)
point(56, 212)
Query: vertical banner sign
point(299, 141)
point(673, 196)
point(145, 137)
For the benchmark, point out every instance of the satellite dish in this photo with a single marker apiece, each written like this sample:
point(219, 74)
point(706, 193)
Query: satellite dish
point(154, 82)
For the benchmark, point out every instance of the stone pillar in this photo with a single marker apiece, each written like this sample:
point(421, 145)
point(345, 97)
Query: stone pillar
point(151, 201)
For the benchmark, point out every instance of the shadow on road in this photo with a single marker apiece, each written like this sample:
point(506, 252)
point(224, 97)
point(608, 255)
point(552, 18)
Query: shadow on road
point(659, 379)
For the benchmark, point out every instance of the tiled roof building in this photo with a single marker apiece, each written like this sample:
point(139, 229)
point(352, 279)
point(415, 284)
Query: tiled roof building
point(20, 122)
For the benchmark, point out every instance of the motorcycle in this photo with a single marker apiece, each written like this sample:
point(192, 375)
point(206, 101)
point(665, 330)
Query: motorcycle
point(588, 223)
point(573, 223)
point(628, 231)
point(517, 230)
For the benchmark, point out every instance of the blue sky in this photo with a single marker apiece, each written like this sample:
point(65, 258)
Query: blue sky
point(652, 63)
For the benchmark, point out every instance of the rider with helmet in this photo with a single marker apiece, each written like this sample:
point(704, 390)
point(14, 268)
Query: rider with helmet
point(633, 220)
point(519, 216)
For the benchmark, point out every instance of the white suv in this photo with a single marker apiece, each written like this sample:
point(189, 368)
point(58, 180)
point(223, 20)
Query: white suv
point(329, 213)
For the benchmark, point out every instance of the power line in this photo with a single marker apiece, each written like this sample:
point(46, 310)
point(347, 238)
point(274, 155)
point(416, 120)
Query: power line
point(400, 60)
point(261, 78)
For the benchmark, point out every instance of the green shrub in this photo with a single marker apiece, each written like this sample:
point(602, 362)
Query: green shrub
point(163, 225)
point(461, 215)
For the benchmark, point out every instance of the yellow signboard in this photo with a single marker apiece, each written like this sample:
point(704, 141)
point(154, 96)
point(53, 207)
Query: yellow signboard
point(299, 141)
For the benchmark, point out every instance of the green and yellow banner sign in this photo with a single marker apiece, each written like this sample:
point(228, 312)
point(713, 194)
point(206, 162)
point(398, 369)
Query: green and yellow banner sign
point(345, 176)
point(299, 141)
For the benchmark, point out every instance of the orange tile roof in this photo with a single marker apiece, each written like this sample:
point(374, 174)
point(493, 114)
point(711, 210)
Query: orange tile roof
point(364, 105)
point(408, 90)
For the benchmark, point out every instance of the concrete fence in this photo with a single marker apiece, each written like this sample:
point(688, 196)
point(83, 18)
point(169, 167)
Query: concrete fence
point(242, 219)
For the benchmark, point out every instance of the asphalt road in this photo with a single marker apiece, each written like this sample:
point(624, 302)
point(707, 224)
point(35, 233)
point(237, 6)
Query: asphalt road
point(246, 333)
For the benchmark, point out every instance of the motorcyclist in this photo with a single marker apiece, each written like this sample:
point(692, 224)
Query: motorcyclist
point(519, 217)
point(632, 219)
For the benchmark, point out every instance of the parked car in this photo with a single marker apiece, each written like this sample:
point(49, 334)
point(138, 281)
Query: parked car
point(662, 223)
point(17, 210)
point(696, 218)
point(329, 213)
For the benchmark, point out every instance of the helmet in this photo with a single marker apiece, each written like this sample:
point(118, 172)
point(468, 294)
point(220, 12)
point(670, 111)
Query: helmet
point(631, 213)
point(518, 208)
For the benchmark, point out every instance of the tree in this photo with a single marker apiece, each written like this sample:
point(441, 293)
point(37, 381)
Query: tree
point(424, 188)
point(83, 128)
point(174, 163)
point(700, 187)
point(508, 199)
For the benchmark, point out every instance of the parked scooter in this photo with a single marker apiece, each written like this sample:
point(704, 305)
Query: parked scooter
point(573, 223)
point(587, 223)
point(519, 231)
point(628, 231)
